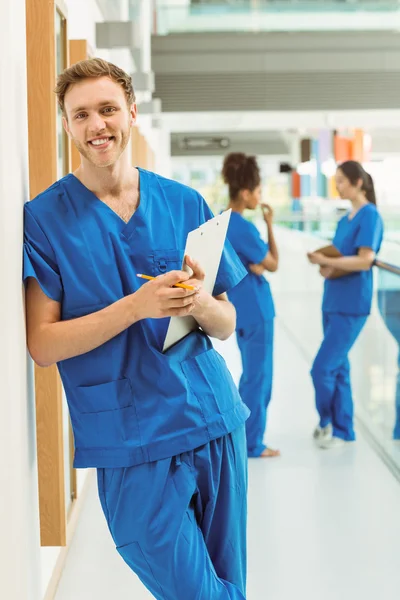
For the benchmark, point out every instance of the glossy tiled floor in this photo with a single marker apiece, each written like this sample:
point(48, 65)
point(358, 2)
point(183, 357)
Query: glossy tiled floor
point(322, 524)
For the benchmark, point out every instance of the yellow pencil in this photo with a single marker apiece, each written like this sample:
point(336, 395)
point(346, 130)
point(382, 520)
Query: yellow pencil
point(180, 285)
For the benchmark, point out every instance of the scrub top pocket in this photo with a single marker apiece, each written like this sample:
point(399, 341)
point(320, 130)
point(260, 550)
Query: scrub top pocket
point(112, 395)
point(211, 382)
point(107, 413)
point(166, 260)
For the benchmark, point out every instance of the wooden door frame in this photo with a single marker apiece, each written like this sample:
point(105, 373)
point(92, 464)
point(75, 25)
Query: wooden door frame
point(42, 143)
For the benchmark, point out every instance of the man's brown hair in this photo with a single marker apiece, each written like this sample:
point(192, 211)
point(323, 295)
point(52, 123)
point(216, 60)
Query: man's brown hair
point(93, 68)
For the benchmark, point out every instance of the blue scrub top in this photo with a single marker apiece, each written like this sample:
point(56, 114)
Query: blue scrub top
point(352, 294)
point(129, 402)
point(252, 298)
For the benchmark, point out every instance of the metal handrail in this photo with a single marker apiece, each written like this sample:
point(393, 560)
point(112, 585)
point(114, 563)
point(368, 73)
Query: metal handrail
point(387, 267)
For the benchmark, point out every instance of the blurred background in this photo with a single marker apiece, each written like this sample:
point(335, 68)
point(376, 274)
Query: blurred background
point(301, 84)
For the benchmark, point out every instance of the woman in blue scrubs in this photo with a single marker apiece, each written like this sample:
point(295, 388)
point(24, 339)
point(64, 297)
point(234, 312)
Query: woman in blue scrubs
point(346, 267)
point(252, 297)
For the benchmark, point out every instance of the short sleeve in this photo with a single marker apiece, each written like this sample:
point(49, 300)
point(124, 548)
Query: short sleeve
point(39, 259)
point(370, 232)
point(250, 245)
point(231, 270)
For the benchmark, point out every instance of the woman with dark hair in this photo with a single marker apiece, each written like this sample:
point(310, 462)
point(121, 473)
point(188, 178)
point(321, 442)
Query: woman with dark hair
point(252, 297)
point(346, 266)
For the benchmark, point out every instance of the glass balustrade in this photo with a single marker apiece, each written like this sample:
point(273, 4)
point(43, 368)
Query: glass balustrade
point(275, 15)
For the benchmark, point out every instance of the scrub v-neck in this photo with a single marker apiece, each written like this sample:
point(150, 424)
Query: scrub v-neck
point(126, 228)
point(355, 214)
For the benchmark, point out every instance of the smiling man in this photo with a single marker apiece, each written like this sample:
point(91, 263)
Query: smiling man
point(164, 430)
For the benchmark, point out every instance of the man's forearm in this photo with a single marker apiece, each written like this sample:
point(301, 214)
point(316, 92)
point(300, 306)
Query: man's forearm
point(217, 317)
point(66, 339)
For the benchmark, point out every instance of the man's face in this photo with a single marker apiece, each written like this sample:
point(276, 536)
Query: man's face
point(98, 120)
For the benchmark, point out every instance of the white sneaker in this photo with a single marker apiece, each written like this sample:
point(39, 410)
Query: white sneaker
point(334, 442)
point(322, 434)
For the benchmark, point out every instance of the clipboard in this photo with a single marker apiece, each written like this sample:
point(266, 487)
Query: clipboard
point(330, 252)
point(205, 245)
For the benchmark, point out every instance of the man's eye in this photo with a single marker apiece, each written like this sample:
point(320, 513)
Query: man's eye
point(109, 109)
point(80, 116)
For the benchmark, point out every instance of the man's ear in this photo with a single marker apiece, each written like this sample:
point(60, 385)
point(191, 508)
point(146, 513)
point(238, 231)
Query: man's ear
point(65, 125)
point(133, 111)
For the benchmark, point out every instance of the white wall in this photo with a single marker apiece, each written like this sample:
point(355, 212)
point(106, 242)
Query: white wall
point(82, 19)
point(19, 526)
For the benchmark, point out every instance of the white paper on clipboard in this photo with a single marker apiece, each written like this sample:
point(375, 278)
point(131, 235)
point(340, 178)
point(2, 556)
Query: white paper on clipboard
point(204, 245)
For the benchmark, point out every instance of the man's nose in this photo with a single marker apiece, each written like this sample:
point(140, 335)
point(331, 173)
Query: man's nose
point(96, 123)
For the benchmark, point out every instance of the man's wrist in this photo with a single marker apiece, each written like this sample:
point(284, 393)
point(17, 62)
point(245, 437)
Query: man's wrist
point(204, 303)
point(133, 309)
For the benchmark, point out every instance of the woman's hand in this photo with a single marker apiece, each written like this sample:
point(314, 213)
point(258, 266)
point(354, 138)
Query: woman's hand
point(268, 213)
point(326, 271)
point(316, 258)
point(256, 269)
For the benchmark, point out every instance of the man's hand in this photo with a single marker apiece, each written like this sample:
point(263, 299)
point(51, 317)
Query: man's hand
point(158, 298)
point(215, 315)
point(202, 300)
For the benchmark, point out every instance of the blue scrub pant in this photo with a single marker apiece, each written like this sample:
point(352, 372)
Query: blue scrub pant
point(392, 321)
point(331, 373)
point(255, 386)
point(180, 523)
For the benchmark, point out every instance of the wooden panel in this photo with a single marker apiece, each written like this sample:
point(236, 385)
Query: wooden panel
point(135, 135)
point(143, 152)
point(41, 77)
point(49, 428)
point(151, 159)
point(73, 473)
point(78, 50)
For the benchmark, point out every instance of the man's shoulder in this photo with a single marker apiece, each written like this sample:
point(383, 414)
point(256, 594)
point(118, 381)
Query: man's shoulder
point(46, 201)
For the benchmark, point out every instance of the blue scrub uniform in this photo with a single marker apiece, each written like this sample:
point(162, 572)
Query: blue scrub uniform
point(346, 306)
point(254, 330)
point(136, 410)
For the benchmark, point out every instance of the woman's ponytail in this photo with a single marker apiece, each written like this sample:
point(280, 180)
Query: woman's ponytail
point(370, 189)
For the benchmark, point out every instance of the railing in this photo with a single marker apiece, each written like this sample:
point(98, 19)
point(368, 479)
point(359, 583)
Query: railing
point(388, 267)
point(379, 402)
